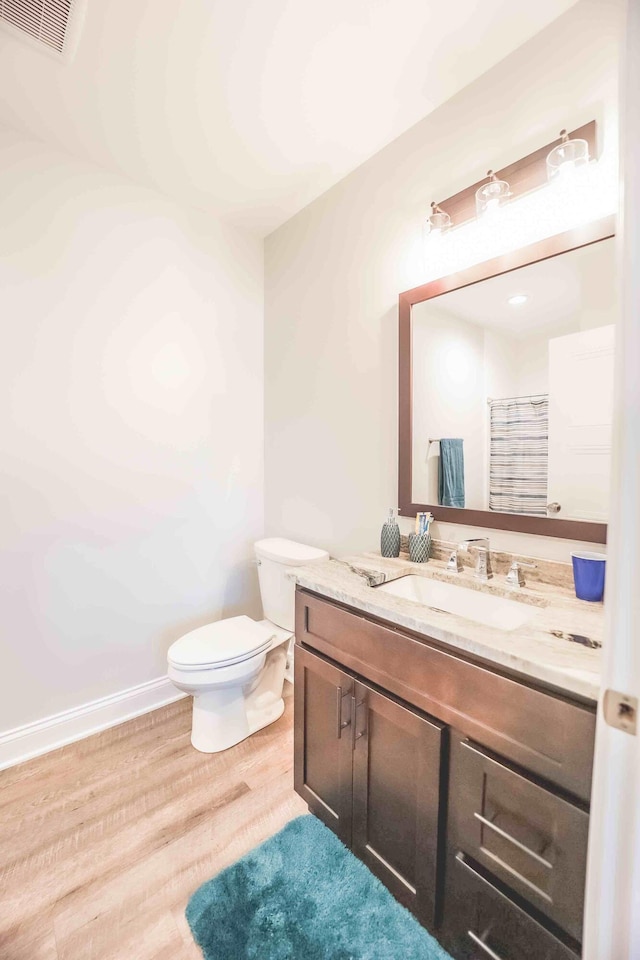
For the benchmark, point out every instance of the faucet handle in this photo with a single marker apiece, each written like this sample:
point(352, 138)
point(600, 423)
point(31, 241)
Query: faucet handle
point(454, 562)
point(515, 575)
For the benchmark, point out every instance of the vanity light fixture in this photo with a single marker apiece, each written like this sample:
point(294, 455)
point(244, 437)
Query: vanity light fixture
point(535, 210)
point(492, 195)
point(439, 221)
point(518, 299)
point(565, 158)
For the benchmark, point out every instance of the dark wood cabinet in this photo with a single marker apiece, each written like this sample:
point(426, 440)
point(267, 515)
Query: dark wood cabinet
point(530, 838)
point(370, 769)
point(482, 923)
point(546, 733)
point(323, 749)
point(396, 797)
point(465, 791)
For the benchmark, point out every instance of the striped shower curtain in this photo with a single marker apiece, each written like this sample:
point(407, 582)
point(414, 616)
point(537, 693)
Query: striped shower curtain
point(518, 457)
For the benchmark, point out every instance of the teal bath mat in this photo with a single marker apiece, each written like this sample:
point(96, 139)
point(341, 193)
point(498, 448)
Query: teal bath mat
point(303, 896)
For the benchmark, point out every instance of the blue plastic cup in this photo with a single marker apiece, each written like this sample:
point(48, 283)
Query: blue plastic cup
point(588, 575)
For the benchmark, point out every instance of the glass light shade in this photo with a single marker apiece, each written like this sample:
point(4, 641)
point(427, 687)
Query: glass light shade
point(566, 158)
point(491, 196)
point(525, 219)
point(438, 222)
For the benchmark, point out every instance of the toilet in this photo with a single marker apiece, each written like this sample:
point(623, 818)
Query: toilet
point(235, 668)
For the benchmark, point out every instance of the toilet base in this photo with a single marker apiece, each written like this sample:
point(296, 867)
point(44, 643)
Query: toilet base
point(226, 715)
point(262, 718)
point(219, 720)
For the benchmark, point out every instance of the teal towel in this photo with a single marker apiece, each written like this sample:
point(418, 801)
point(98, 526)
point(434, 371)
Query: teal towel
point(451, 474)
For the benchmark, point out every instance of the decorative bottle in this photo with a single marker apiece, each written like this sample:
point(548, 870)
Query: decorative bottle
point(390, 536)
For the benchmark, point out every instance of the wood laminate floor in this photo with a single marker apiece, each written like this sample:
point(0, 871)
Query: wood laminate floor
point(103, 841)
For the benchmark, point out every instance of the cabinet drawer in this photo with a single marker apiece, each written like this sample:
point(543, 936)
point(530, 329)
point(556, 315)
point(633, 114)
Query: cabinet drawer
point(542, 732)
point(483, 924)
point(534, 841)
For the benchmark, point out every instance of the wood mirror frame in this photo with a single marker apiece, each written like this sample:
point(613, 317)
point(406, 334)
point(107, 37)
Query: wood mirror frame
point(542, 526)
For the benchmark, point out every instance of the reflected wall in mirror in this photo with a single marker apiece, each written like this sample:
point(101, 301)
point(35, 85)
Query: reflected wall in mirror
point(511, 395)
point(519, 369)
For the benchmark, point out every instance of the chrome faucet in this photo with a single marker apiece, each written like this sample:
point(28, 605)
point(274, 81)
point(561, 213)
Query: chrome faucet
point(515, 576)
point(483, 569)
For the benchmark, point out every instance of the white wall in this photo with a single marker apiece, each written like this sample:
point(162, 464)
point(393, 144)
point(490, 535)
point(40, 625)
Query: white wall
point(132, 428)
point(448, 399)
point(333, 274)
point(456, 366)
point(531, 365)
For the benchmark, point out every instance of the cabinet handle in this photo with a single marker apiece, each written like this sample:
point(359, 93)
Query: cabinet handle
point(340, 723)
point(354, 713)
point(479, 943)
point(516, 843)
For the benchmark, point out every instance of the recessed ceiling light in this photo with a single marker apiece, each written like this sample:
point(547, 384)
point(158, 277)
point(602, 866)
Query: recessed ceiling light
point(518, 299)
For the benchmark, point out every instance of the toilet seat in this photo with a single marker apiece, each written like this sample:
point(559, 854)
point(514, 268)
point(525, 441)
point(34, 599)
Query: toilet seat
point(220, 644)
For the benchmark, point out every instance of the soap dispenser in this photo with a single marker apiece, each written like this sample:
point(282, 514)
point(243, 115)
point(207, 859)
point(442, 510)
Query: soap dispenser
point(390, 536)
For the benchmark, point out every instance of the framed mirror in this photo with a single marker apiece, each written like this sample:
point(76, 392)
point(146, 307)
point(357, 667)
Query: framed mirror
point(506, 389)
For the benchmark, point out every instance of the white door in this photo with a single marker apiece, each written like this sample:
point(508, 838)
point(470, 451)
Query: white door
point(580, 423)
point(612, 914)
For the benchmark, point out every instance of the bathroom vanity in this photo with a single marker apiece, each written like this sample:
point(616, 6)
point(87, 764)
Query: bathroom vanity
point(452, 756)
point(445, 726)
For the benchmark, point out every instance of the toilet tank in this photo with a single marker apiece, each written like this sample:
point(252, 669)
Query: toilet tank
point(275, 556)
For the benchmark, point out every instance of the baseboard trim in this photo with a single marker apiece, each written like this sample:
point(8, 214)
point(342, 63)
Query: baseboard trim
point(33, 739)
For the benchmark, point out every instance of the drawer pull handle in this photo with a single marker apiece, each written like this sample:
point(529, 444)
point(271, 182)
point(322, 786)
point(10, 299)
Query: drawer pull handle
point(479, 943)
point(340, 723)
point(516, 843)
point(354, 713)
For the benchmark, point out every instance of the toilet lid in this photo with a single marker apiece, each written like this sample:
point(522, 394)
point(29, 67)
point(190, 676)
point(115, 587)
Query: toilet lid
point(221, 643)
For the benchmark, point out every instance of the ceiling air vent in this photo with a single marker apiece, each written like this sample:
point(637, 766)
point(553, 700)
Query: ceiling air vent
point(51, 25)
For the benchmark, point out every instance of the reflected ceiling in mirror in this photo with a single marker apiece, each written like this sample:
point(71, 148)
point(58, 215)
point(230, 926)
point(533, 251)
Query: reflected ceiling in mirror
point(512, 393)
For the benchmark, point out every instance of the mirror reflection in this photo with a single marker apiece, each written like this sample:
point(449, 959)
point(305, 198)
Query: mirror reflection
point(513, 390)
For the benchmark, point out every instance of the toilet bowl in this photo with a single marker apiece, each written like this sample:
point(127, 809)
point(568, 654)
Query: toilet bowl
point(235, 668)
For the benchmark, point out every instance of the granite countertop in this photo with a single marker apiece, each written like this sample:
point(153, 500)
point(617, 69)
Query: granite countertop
point(543, 649)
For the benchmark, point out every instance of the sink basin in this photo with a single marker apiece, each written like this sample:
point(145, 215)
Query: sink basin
point(471, 604)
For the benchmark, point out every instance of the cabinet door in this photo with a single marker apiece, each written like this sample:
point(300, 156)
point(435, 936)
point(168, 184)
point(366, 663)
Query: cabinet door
point(396, 797)
point(323, 750)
